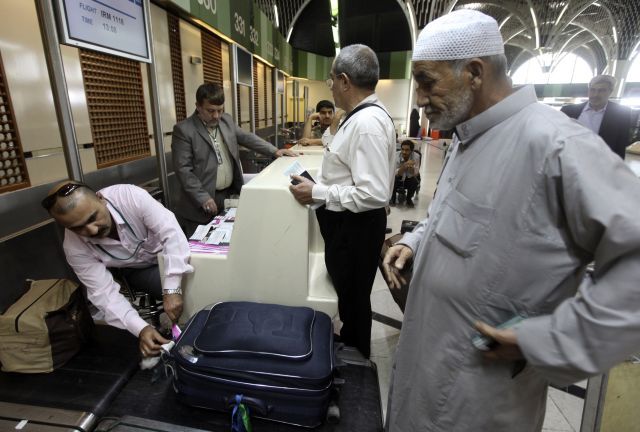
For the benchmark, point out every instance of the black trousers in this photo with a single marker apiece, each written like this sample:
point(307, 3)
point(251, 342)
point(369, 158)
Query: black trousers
point(145, 279)
point(410, 183)
point(352, 249)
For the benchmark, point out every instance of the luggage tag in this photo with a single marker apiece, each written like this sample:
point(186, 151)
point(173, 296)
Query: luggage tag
point(175, 332)
point(159, 365)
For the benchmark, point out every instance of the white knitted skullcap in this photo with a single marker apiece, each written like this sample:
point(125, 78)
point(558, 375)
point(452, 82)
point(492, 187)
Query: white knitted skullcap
point(460, 34)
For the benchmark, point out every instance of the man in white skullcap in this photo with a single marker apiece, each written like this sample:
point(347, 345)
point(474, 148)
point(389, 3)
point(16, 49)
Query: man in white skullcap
point(526, 200)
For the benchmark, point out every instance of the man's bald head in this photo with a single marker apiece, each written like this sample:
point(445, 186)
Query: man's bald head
point(64, 205)
point(65, 196)
point(78, 208)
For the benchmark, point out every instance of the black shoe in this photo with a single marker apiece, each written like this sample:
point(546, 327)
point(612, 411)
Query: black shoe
point(388, 230)
point(410, 203)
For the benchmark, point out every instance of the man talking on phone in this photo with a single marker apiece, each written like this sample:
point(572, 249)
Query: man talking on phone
point(317, 124)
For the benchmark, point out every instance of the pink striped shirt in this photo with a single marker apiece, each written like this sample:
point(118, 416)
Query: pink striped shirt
point(140, 220)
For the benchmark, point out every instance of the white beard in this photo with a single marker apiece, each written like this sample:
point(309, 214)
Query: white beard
point(447, 120)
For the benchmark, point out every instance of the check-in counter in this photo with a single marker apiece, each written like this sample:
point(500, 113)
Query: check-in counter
point(308, 150)
point(276, 253)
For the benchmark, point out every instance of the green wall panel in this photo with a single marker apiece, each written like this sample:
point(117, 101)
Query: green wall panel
point(400, 65)
point(244, 22)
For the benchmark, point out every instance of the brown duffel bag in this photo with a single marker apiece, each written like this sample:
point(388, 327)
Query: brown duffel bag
point(45, 327)
point(399, 295)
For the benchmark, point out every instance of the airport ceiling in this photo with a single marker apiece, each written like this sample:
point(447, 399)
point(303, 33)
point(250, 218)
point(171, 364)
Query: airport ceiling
point(599, 31)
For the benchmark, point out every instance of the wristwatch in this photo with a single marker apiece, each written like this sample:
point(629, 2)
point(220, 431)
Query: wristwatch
point(172, 291)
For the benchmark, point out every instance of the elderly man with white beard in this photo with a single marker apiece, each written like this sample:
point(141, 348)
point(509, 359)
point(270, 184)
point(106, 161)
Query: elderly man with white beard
point(526, 200)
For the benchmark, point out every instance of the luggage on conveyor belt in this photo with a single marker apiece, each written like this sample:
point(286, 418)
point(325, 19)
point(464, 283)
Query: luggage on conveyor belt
point(278, 358)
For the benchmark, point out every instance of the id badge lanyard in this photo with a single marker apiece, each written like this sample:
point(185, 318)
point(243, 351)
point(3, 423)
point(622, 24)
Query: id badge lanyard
point(138, 246)
point(216, 147)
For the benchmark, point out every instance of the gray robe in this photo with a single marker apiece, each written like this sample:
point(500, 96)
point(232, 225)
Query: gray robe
point(196, 165)
point(527, 199)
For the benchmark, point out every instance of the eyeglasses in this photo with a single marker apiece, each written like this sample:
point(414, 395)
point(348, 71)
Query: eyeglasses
point(330, 81)
point(64, 191)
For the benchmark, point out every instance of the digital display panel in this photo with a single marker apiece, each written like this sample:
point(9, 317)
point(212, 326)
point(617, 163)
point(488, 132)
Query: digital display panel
point(117, 27)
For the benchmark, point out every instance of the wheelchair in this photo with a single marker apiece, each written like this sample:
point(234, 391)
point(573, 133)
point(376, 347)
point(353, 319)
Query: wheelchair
point(400, 189)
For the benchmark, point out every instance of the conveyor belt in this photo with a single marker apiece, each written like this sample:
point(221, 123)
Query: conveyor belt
point(82, 389)
point(359, 405)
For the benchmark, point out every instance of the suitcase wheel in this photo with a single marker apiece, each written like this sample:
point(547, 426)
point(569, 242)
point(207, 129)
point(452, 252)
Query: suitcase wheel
point(333, 413)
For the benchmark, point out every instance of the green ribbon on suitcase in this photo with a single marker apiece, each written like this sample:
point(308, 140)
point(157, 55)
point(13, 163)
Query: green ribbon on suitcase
point(240, 417)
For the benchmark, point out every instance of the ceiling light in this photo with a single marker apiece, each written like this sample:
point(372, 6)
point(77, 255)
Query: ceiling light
point(275, 14)
point(334, 28)
point(504, 22)
point(535, 27)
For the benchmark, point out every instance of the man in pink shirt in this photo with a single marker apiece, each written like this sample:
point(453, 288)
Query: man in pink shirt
point(123, 227)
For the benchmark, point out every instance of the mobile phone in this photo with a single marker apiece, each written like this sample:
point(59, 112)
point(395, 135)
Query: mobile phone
point(304, 173)
point(485, 343)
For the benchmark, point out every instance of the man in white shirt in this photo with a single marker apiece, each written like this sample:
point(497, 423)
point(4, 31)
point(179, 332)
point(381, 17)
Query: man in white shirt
point(122, 226)
point(354, 186)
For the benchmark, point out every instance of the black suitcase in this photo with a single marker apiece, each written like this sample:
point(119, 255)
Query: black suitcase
point(279, 358)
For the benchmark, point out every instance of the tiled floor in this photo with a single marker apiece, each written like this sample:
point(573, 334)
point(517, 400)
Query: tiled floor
point(564, 411)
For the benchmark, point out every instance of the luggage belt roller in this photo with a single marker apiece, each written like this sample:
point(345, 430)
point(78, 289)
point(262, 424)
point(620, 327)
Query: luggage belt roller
point(35, 418)
point(74, 396)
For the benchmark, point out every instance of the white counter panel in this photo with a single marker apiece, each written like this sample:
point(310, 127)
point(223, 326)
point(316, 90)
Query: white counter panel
point(276, 253)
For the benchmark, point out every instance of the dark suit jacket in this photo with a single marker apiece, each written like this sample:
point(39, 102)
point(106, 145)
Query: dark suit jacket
point(196, 165)
point(616, 125)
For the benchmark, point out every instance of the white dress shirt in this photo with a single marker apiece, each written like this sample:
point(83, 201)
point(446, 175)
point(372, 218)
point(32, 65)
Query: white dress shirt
point(145, 229)
point(359, 161)
point(592, 118)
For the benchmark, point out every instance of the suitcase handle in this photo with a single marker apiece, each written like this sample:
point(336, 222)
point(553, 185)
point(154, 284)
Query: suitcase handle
point(256, 404)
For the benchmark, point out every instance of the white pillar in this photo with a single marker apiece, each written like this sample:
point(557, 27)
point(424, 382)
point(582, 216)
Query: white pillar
point(622, 69)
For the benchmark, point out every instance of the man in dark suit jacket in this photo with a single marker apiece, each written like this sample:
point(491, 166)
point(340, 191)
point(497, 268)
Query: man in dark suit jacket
point(612, 121)
point(206, 158)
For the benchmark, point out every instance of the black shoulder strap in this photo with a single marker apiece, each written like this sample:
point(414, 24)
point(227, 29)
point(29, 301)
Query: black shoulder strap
point(361, 107)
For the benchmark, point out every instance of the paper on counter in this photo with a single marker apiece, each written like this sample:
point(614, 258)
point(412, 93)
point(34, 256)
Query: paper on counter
point(201, 232)
point(220, 235)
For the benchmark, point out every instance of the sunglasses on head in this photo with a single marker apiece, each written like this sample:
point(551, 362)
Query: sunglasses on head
point(64, 191)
